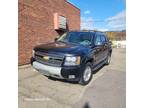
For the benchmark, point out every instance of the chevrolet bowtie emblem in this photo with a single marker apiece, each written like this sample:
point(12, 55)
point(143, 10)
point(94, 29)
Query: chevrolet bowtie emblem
point(46, 57)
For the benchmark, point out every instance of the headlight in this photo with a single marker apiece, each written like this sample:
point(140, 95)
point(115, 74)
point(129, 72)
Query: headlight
point(72, 60)
point(33, 53)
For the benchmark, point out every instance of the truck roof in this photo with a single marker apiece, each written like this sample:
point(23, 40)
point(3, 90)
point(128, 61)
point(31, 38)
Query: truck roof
point(92, 31)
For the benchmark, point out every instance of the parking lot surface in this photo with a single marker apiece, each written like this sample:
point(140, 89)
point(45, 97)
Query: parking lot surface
point(106, 90)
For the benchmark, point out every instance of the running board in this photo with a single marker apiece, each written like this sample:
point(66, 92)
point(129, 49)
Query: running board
point(98, 65)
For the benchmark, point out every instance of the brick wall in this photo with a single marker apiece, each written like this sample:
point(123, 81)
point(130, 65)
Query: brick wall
point(36, 23)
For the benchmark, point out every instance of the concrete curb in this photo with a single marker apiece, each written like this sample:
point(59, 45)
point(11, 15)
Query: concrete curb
point(24, 66)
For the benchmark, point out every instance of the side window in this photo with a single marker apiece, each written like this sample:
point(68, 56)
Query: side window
point(103, 38)
point(106, 38)
point(98, 39)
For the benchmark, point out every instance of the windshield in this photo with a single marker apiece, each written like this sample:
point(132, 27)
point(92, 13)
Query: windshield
point(82, 38)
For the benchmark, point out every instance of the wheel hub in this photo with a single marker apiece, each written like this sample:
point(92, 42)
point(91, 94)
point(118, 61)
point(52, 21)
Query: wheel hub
point(87, 73)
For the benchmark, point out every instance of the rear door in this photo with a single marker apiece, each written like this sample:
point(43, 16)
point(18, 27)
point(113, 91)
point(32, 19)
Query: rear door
point(105, 46)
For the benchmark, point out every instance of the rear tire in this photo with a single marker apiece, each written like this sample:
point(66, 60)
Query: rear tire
point(108, 59)
point(86, 75)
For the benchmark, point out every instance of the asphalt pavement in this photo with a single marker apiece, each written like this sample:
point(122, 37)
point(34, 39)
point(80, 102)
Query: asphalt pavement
point(106, 90)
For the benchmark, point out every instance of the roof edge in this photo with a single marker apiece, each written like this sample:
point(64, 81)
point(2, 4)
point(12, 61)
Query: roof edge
point(72, 4)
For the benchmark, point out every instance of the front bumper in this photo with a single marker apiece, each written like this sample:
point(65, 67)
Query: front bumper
point(72, 73)
point(47, 70)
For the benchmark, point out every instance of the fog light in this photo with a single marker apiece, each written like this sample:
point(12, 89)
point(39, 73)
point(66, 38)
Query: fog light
point(71, 76)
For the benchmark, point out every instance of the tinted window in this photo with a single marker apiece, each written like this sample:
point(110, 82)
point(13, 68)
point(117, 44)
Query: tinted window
point(103, 38)
point(106, 38)
point(98, 39)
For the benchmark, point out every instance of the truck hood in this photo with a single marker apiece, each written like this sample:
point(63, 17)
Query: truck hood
point(59, 47)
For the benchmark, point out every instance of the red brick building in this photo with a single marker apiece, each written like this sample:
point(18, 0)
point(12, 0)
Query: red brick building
point(40, 21)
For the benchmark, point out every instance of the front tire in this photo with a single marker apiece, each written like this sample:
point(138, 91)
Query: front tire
point(86, 75)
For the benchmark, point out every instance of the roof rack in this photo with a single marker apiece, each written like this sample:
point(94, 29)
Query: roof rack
point(93, 31)
point(87, 31)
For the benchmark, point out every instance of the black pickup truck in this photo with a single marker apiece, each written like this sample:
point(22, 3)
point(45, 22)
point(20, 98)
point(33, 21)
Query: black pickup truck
point(73, 56)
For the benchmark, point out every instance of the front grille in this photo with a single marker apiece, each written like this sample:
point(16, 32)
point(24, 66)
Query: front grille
point(53, 60)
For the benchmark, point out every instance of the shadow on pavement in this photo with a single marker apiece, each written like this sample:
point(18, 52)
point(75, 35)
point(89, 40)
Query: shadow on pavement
point(86, 105)
point(62, 80)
